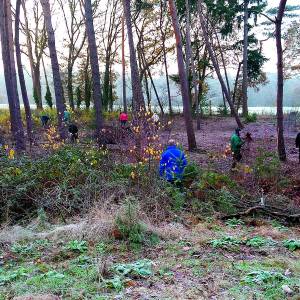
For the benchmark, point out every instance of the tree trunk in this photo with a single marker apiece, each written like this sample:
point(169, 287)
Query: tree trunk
point(123, 66)
point(10, 74)
point(137, 91)
point(70, 86)
point(21, 73)
point(216, 67)
point(163, 35)
point(190, 61)
point(34, 67)
point(167, 80)
point(245, 60)
point(236, 82)
point(58, 89)
point(278, 35)
point(106, 83)
point(156, 93)
point(94, 65)
point(183, 80)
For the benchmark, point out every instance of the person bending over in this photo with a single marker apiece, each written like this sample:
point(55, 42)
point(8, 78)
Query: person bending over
point(236, 145)
point(44, 119)
point(73, 129)
point(172, 163)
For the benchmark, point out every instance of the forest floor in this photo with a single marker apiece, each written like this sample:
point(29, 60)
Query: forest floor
point(182, 256)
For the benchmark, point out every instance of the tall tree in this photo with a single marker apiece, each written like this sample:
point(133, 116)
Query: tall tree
point(278, 36)
point(21, 73)
point(111, 29)
point(163, 30)
point(190, 65)
point(224, 87)
point(123, 67)
point(58, 89)
point(275, 17)
point(94, 63)
point(75, 41)
point(36, 42)
point(137, 91)
point(10, 74)
point(245, 60)
point(183, 80)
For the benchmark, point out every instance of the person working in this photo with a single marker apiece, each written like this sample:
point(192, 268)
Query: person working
point(298, 144)
point(73, 129)
point(44, 120)
point(172, 163)
point(236, 144)
point(67, 116)
point(123, 118)
point(155, 119)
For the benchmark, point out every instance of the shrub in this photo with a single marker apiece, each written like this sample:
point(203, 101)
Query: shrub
point(178, 196)
point(128, 223)
point(251, 118)
point(292, 245)
point(213, 180)
point(191, 173)
point(223, 110)
point(226, 242)
point(267, 165)
point(77, 246)
point(262, 276)
point(234, 222)
point(257, 241)
point(222, 200)
point(71, 176)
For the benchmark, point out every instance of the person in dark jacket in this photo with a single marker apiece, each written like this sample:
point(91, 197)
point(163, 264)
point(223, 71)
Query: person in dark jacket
point(298, 144)
point(172, 163)
point(73, 129)
point(44, 119)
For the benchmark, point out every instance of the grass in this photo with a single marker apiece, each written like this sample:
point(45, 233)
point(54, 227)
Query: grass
point(105, 269)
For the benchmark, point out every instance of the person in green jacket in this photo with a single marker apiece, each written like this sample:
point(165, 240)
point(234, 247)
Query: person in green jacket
point(236, 145)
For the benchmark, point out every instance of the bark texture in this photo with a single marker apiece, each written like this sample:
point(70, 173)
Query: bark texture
point(10, 74)
point(187, 112)
point(58, 89)
point(278, 35)
point(94, 65)
point(21, 73)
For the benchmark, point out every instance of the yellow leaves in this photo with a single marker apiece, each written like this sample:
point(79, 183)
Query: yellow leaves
point(247, 169)
point(11, 154)
point(132, 175)
point(17, 171)
point(52, 139)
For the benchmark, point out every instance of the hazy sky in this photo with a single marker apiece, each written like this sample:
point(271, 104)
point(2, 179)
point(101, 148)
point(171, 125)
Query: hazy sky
point(269, 46)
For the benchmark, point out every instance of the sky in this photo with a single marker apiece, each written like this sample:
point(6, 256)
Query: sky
point(269, 46)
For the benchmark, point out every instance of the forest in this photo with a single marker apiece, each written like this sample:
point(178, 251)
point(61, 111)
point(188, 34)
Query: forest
point(149, 149)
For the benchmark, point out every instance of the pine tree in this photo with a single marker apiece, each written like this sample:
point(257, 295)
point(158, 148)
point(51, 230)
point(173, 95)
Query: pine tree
point(48, 97)
point(36, 97)
point(78, 97)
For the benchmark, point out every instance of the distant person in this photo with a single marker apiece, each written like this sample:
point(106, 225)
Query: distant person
point(44, 120)
point(236, 145)
point(123, 118)
point(73, 129)
point(67, 116)
point(298, 144)
point(172, 163)
point(155, 118)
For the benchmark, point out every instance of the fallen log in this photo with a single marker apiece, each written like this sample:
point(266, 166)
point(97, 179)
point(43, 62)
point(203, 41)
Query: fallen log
point(294, 218)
